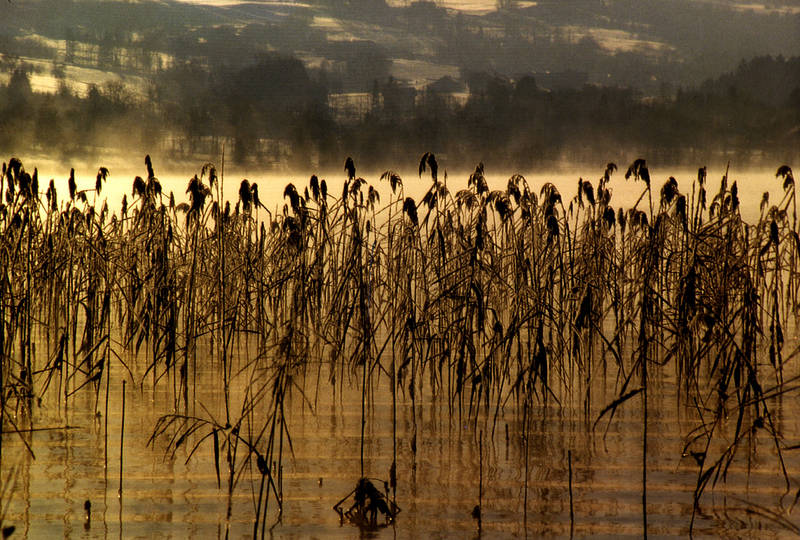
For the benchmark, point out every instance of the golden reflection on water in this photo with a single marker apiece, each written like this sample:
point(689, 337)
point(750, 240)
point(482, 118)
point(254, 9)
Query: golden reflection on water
point(165, 495)
point(169, 497)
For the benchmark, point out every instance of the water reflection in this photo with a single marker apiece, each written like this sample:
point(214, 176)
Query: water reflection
point(158, 458)
point(438, 487)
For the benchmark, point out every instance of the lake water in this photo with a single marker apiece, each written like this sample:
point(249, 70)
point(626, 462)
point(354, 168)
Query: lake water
point(563, 471)
point(437, 486)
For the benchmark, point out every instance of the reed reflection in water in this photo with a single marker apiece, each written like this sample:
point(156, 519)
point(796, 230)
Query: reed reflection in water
point(497, 362)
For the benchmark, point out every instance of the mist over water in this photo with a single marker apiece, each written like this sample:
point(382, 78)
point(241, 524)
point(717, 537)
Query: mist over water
point(752, 183)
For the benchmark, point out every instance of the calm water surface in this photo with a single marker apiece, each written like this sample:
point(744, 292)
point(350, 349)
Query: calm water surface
point(172, 496)
point(168, 497)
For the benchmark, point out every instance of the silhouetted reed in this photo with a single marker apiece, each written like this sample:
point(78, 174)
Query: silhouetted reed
point(489, 298)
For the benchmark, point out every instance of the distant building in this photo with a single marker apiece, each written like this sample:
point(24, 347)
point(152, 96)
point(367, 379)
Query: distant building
point(392, 99)
point(350, 107)
point(446, 85)
point(561, 80)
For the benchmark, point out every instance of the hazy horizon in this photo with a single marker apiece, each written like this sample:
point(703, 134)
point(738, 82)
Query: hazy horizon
point(299, 86)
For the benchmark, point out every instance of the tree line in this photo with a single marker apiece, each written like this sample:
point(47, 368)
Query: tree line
point(276, 112)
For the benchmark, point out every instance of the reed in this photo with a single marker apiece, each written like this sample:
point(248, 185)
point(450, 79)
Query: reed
point(122, 440)
point(489, 299)
point(571, 507)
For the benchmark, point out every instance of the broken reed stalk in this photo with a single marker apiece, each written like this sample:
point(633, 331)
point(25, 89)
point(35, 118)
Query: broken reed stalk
point(363, 409)
point(105, 419)
point(525, 443)
point(393, 469)
point(480, 480)
point(571, 507)
point(122, 438)
point(644, 449)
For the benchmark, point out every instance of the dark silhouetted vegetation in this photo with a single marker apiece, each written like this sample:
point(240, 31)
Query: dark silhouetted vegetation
point(493, 300)
point(276, 113)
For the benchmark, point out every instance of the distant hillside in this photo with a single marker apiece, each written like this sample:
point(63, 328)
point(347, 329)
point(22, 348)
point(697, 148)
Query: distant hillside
point(648, 44)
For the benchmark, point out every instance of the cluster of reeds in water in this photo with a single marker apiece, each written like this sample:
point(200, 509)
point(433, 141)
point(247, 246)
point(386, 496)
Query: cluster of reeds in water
point(481, 297)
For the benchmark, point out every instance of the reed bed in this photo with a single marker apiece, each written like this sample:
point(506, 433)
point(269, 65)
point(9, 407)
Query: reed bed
point(481, 297)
